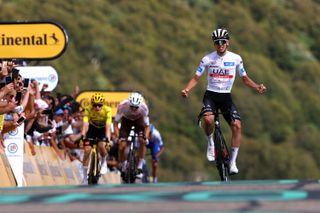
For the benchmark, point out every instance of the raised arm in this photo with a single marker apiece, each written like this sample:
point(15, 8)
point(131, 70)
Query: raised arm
point(192, 83)
point(250, 83)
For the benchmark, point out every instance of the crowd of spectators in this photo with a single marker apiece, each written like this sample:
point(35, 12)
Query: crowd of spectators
point(49, 119)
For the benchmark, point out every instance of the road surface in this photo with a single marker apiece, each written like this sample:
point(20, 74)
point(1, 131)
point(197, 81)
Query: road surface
point(265, 196)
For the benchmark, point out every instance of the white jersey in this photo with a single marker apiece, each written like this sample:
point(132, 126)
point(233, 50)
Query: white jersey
point(125, 111)
point(221, 70)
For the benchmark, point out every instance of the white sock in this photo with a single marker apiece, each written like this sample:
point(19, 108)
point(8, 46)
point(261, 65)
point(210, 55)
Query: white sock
point(141, 162)
point(103, 162)
point(85, 170)
point(210, 140)
point(155, 180)
point(123, 165)
point(234, 154)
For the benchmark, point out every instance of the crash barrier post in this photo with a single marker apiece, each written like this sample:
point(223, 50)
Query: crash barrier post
point(111, 178)
point(31, 170)
point(6, 175)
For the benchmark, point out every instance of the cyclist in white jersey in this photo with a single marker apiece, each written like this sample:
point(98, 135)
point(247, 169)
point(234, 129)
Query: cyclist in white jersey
point(221, 66)
point(132, 112)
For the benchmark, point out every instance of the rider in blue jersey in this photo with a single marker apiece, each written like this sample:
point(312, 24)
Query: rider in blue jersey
point(156, 147)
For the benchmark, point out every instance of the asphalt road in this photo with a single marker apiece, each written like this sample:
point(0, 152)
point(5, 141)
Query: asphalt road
point(286, 196)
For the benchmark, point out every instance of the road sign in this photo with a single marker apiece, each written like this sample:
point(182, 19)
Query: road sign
point(32, 40)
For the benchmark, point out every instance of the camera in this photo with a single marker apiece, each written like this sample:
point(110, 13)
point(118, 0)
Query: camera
point(8, 80)
point(26, 82)
point(47, 112)
point(18, 97)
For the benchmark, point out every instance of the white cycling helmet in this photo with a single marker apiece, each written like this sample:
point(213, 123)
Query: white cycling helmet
point(135, 99)
point(220, 34)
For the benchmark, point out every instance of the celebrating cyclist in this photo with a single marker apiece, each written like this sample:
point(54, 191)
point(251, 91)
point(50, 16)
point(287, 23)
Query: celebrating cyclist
point(156, 147)
point(132, 112)
point(221, 66)
point(97, 120)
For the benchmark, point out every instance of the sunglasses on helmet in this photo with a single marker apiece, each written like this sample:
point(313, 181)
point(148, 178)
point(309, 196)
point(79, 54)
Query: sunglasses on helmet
point(220, 42)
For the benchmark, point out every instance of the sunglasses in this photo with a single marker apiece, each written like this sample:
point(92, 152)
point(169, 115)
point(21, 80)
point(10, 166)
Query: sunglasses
point(134, 107)
point(97, 105)
point(220, 42)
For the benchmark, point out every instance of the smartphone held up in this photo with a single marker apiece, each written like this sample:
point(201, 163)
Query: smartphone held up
point(20, 120)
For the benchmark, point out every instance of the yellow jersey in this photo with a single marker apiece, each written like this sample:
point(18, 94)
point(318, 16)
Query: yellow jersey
point(98, 119)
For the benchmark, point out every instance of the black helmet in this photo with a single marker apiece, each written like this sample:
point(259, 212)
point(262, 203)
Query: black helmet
point(220, 34)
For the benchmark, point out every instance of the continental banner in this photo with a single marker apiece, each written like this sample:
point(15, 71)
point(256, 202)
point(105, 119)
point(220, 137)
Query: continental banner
point(113, 99)
point(32, 40)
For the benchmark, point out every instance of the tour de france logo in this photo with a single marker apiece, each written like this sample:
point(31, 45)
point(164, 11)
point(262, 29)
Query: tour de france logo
point(13, 132)
point(52, 78)
point(12, 148)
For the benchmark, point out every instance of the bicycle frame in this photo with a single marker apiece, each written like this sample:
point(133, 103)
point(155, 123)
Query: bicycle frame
point(221, 151)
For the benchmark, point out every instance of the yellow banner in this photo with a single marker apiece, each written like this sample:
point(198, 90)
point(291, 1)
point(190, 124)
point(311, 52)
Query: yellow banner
point(32, 40)
point(113, 99)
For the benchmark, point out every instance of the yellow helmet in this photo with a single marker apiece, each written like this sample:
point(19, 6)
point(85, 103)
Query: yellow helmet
point(97, 98)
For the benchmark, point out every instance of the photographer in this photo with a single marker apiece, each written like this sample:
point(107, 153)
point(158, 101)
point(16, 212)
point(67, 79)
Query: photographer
point(6, 67)
point(14, 116)
point(5, 106)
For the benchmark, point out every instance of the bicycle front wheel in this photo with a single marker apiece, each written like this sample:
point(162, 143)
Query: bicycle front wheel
point(221, 164)
point(93, 170)
point(132, 168)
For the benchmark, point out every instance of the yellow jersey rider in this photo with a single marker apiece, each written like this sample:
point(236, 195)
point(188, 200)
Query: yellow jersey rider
point(97, 121)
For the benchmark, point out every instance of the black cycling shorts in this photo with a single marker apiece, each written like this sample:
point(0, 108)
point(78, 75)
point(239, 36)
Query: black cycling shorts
point(126, 125)
point(213, 101)
point(94, 132)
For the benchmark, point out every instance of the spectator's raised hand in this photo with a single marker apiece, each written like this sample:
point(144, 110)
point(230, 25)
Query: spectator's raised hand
point(4, 69)
point(8, 88)
point(11, 105)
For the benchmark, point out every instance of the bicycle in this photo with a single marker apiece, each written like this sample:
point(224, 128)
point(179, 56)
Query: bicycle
point(221, 150)
point(93, 164)
point(129, 175)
